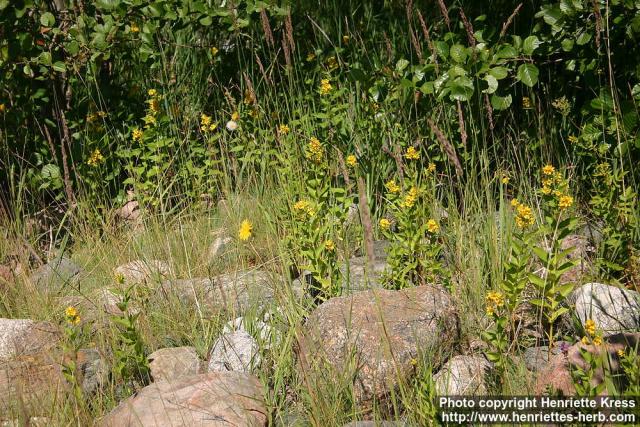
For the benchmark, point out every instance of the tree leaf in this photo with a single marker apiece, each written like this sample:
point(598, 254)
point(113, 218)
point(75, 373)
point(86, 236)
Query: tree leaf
point(531, 43)
point(500, 102)
point(528, 74)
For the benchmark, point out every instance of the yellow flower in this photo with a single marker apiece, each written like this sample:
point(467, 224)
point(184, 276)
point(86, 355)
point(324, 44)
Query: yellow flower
point(546, 190)
point(329, 245)
point(548, 170)
point(432, 226)
point(412, 154)
point(505, 179)
point(385, 224)
point(149, 120)
point(515, 203)
point(134, 28)
point(214, 51)
point(351, 160)
point(526, 102)
point(524, 216)
point(325, 86)
point(573, 139)
point(72, 315)
point(620, 353)
point(3, 108)
point(245, 230)
point(235, 116)
point(205, 120)
point(494, 300)
point(392, 186)
point(154, 105)
point(137, 134)
point(431, 168)
point(410, 198)
point(590, 327)
point(95, 158)
point(283, 129)
point(597, 340)
point(301, 205)
point(311, 56)
point(565, 202)
point(152, 92)
point(315, 150)
point(584, 340)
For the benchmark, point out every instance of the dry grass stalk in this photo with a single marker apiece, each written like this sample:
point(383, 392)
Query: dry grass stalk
point(266, 27)
point(288, 28)
point(447, 147)
point(487, 105)
point(427, 36)
point(468, 28)
point(445, 13)
point(598, 15)
point(509, 21)
point(463, 128)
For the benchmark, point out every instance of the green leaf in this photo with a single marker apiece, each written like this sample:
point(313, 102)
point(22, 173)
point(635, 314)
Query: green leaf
point(401, 65)
point(567, 45)
point(531, 43)
point(47, 19)
point(499, 72)
point(500, 102)
point(492, 82)
point(528, 74)
point(458, 53)
point(59, 66)
point(507, 51)
point(583, 38)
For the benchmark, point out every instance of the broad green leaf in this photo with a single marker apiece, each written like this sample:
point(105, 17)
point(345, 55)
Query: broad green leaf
point(499, 72)
point(458, 53)
point(492, 82)
point(500, 102)
point(401, 65)
point(528, 74)
point(583, 38)
point(567, 45)
point(507, 51)
point(531, 43)
point(59, 67)
point(47, 19)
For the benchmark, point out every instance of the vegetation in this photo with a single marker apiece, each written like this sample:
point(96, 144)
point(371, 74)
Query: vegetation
point(474, 136)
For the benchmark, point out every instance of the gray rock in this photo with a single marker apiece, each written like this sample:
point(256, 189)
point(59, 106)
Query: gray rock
point(56, 274)
point(536, 358)
point(217, 248)
point(172, 363)
point(360, 276)
point(24, 336)
point(215, 399)
point(92, 370)
point(463, 376)
point(613, 309)
point(237, 291)
point(236, 351)
point(374, 336)
point(142, 271)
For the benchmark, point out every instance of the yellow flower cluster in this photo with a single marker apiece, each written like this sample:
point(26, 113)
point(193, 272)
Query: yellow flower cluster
point(304, 207)
point(332, 63)
point(133, 27)
point(95, 158)
point(524, 214)
point(548, 170)
point(154, 107)
point(431, 168)
point(494, 301)
point(214, 51)
point(325, 86)
point(137, 134)
point(526, 102)
point(432, 226)
point(410, 198)
point(565, 202)
point(351, 161)
point(573, 139)
point(385, 224)
point(311, 56)
point(590, 327)
point(329, 245)
point(72, 315)
point(315, 150)
point(245, 230)
point(95, 116)
point(392, 186)
point(562, 105)
point(3, 108)
point(412, 154)
point(206, 124)
point(283, 129)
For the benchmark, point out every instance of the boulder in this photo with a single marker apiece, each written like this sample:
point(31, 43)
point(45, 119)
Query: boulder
point(374, 336)
point(613, 309)
point(24, 336)
point(170, 364)
point(463, 376)
point(56, 274)
point(536, 358)
point(556, 376)
point(142, 271)
point(91, 370)
point(235, 351)
point(581, 253)
point(218, 248)
point(237, 291)
point(215, 399)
